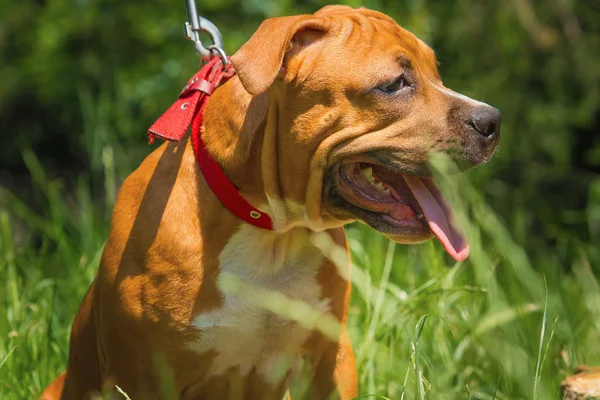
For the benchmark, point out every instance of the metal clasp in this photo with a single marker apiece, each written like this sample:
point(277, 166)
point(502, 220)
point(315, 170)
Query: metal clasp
point(197, 24)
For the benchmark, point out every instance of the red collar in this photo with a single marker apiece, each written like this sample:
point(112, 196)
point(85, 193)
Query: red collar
point(188, 109)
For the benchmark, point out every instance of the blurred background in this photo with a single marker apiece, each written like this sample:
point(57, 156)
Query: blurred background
point(81, 80)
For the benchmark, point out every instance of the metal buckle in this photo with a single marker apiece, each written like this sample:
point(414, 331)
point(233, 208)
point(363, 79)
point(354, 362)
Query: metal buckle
point(197, 24)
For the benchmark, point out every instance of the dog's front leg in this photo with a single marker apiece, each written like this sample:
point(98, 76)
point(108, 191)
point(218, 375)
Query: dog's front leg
point(335, 375)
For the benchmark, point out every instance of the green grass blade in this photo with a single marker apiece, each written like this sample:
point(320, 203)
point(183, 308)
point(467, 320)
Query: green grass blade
point(542, 333)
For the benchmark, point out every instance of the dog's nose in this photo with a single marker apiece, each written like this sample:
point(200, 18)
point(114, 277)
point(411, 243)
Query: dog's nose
point(485, 120)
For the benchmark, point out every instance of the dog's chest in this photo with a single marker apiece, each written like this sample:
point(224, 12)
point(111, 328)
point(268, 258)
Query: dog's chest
point(264, 278)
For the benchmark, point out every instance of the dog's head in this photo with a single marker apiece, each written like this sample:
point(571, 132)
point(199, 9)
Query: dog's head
point(357, 107)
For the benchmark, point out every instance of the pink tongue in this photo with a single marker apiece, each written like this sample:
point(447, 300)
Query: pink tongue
point(439, 216)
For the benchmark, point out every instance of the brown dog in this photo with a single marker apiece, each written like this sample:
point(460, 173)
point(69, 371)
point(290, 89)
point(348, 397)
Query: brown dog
point(330, 119)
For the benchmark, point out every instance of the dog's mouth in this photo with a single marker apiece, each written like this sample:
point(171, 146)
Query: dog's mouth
point(399, 205)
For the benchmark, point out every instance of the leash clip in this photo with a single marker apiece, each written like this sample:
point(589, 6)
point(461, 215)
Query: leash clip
point(196, 24)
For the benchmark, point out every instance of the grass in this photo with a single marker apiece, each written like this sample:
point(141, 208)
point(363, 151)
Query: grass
point(422, 326)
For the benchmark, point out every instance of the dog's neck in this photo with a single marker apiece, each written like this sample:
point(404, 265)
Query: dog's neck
point(240, 132)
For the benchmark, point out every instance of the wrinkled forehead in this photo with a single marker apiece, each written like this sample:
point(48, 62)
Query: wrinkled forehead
point(376, 45)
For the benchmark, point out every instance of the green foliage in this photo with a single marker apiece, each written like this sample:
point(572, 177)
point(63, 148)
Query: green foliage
point(80, 81)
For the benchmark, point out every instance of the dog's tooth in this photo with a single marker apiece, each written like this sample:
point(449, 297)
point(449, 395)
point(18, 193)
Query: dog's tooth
point(378, 186)
point(367, 173)
point(386, 189)
point(420, 216)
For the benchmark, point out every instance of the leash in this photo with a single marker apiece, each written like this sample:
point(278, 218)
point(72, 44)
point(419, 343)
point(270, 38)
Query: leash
point(188, 110)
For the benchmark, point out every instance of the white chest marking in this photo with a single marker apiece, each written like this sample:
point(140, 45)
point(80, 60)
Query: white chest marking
point(261, 271)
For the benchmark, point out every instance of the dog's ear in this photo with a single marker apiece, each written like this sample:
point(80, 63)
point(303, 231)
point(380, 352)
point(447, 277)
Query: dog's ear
point(259, 60)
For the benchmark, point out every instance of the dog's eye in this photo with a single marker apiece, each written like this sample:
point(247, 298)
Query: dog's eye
point(392, 87)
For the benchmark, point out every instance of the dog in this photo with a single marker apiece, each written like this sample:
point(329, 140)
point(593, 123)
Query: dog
point(330, 119)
